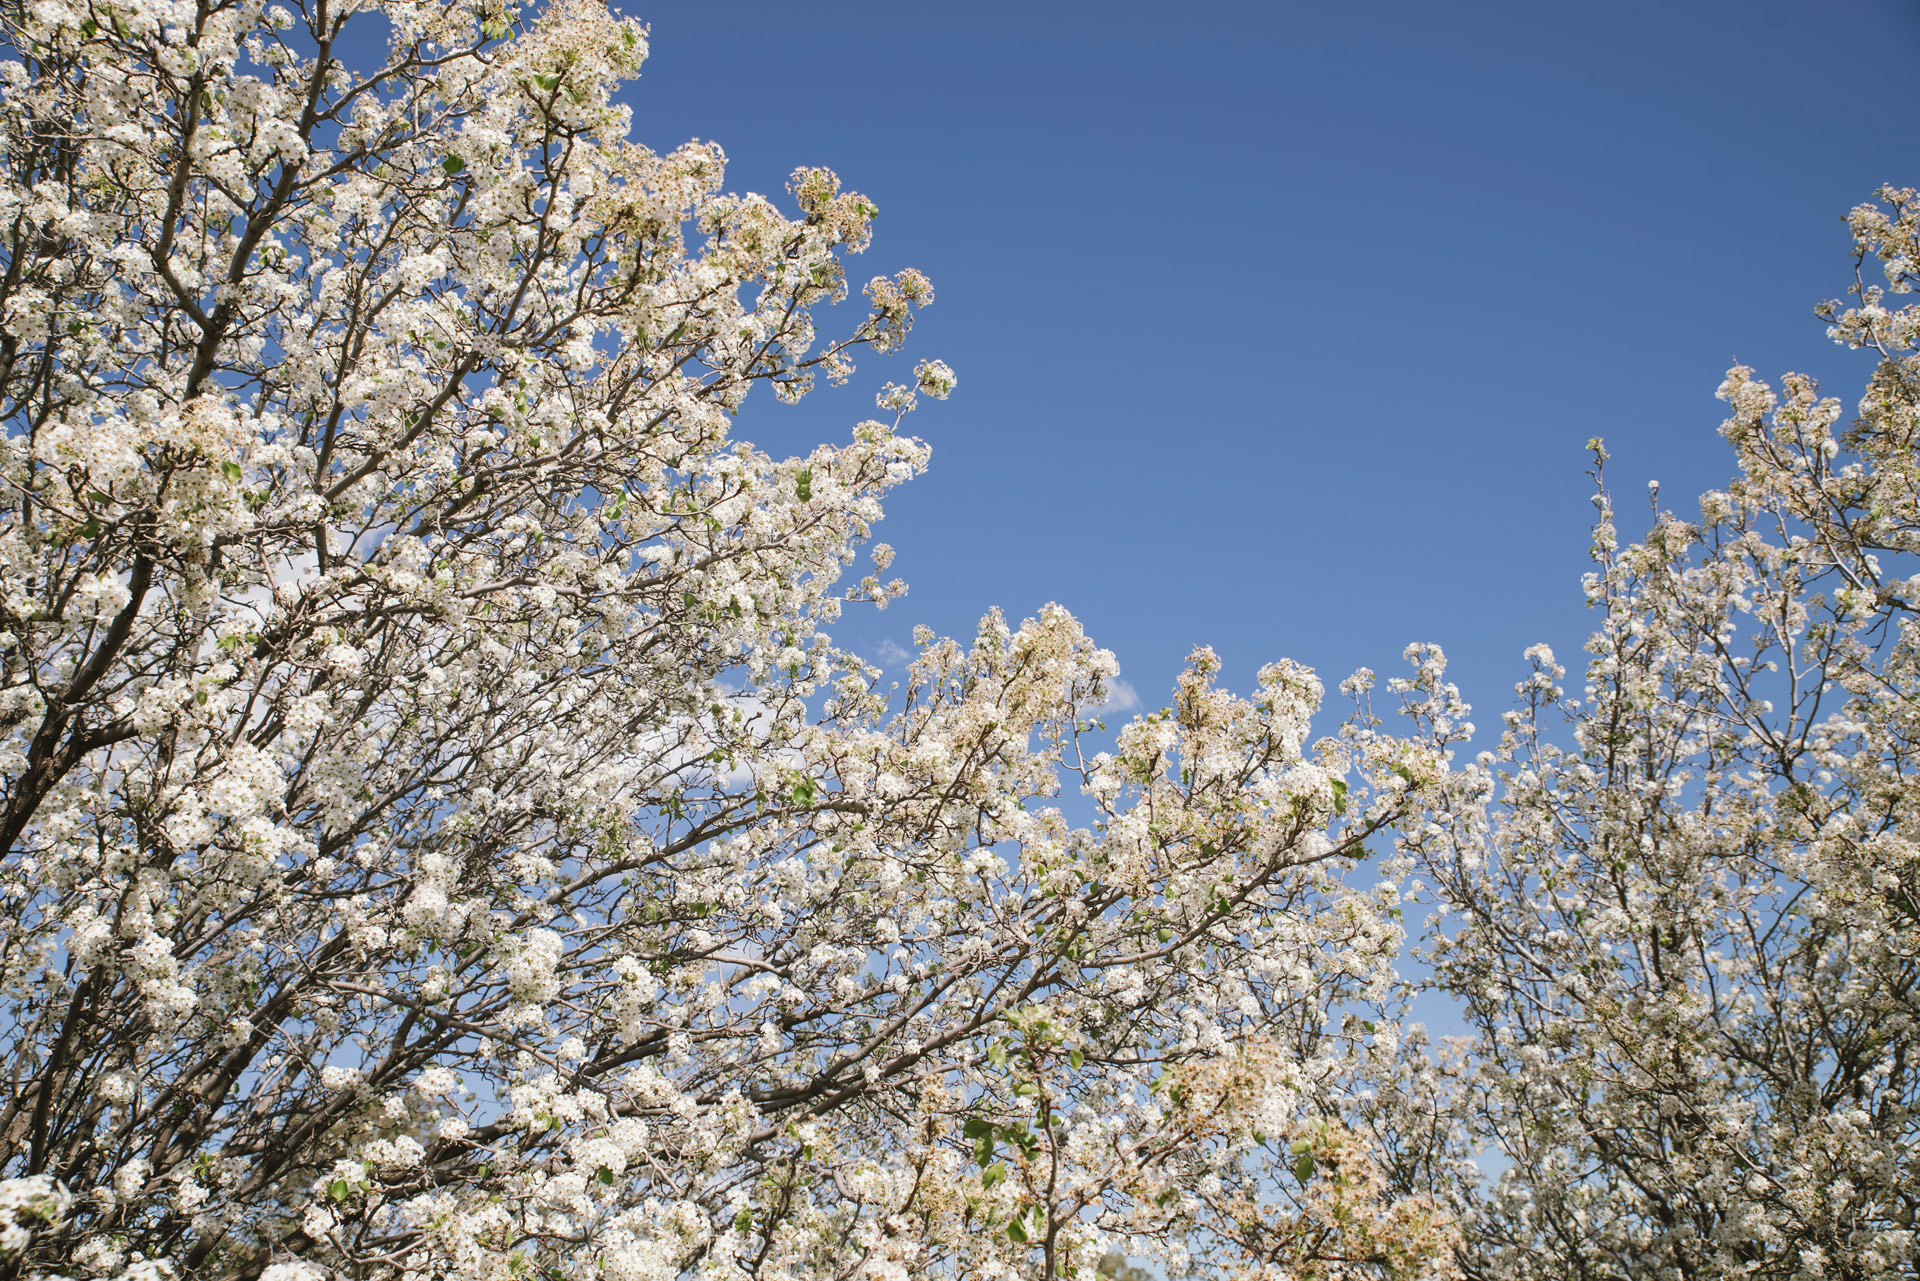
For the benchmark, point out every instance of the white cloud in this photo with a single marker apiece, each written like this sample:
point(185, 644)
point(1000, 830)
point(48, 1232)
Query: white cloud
point(891, 655)
point(1121, 697)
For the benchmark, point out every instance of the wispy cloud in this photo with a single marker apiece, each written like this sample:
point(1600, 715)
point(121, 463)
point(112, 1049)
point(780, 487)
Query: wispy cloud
point(891, 655)
point(1121, 697)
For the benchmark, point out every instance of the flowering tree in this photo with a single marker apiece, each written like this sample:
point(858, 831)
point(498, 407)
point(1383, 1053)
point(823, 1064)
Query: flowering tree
point(1684, 909)
point(439, 839)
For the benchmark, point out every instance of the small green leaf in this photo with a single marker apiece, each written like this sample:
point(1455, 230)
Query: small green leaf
point(231, 471)
point(803, 484)
point(997, 1054)
point(1026, 1089)
point(1303, 1166)
point(605, 1175)
point(338, 1189)
point(1017, 1230)
point(993, 1174)
point(1339, 797)
point(1163, 934)
point(453, 164)
point(1076, 1058)
point(976, 1128)
point(89, 28)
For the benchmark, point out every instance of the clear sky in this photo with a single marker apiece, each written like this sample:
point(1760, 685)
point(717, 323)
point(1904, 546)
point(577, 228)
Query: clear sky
point(1280, 327)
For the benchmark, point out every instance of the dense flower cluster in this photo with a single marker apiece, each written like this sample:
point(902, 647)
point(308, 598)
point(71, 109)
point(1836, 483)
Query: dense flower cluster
point(440, 839)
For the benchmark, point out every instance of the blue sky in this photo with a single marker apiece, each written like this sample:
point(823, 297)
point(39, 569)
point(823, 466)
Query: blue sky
point(1281, 327)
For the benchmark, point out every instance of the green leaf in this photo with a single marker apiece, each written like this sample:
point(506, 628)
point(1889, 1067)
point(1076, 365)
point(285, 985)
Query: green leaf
point(1303, 1166)
point(338, 1189)
point(997, 1054)
point(1016, 1229)
point(1026, 1089)
point(1339, 797)
point(976, 1128)
point(803, 484)
point(993, 1174)
point(89, 28)
point(1076, 1058)
point(231, 471)
point(453, 164)
point(1163, 934)
point(605, 1175)
point(547, 81)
